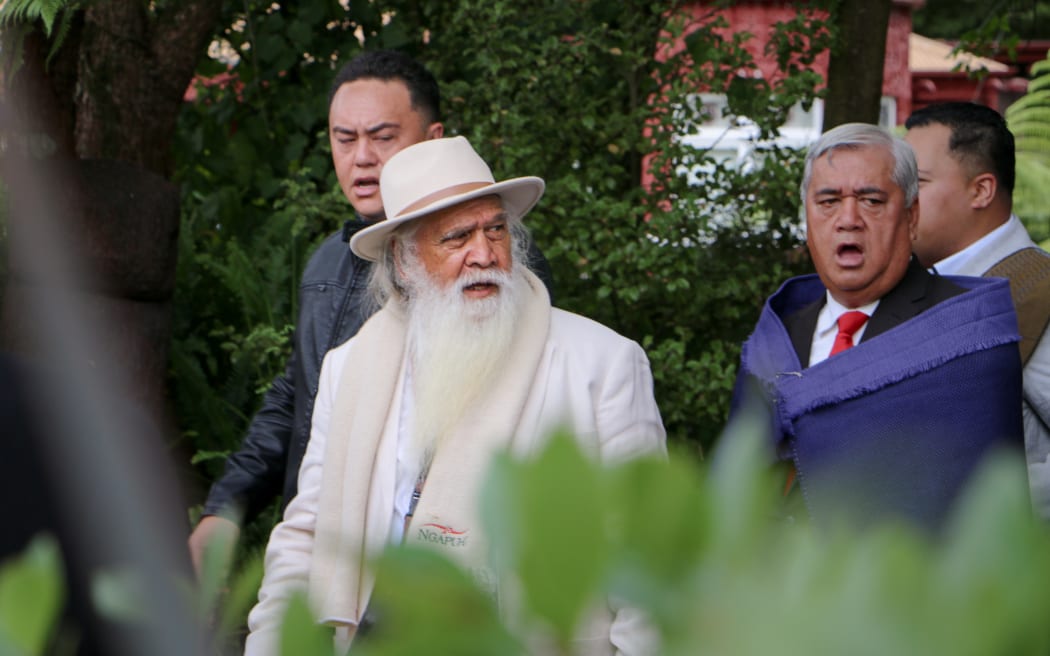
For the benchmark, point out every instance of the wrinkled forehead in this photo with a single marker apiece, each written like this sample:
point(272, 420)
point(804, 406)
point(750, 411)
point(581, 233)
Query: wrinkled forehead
point(850, 166)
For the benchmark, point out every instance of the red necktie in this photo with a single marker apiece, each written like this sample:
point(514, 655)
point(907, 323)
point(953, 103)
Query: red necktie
point(849, 323)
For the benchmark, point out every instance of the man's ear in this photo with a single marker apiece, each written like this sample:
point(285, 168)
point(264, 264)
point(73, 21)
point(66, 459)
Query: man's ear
point(982, 190)
point(435, 130)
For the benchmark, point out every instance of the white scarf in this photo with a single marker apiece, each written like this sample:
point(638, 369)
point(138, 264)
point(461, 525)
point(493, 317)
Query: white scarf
point(447, 515)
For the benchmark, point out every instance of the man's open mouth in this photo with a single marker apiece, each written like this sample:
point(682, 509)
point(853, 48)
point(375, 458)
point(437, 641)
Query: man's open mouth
point(849, 254)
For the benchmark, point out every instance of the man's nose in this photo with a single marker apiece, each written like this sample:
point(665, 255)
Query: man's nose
point(848, 217)
point(481, 252)
point(365, 153)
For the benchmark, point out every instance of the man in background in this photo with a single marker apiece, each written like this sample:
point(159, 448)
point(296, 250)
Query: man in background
point(380, 102)
point(965, 155)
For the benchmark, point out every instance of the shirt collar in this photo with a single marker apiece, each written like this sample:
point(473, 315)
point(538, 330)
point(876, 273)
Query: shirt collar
point(961, 263)
point(832, 310)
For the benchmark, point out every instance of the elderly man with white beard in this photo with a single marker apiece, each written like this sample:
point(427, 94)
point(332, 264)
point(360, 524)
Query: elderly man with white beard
point(465, 359)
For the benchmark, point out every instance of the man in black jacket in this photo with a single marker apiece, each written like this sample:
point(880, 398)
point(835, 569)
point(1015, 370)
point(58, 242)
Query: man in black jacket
point(380, 102)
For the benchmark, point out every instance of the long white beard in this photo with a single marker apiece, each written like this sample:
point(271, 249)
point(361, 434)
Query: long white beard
point(456, 347)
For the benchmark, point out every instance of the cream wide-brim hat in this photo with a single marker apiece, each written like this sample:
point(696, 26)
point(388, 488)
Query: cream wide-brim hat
point(433, 175)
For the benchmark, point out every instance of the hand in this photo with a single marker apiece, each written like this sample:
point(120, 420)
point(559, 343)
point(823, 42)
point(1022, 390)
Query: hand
point(211, 544)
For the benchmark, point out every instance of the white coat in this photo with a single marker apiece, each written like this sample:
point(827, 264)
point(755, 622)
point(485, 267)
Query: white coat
point(587, 378)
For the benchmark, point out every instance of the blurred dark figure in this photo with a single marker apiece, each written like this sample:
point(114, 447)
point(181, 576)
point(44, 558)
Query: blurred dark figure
point(34, 488)
point(24, 477)
point(84, 456)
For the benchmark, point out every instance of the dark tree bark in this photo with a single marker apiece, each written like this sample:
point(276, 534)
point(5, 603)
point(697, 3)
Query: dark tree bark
point(85, 155)
point(107, 107)
point(133, 69)
point(855, 67)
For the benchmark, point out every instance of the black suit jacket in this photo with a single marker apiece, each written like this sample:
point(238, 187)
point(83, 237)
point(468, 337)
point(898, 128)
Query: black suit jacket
point(917, 291)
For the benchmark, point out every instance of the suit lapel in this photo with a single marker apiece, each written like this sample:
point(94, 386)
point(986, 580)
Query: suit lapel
point(800, 327)
point(909, 298)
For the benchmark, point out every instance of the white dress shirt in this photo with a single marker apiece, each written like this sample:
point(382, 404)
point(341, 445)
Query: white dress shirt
point(827, 327)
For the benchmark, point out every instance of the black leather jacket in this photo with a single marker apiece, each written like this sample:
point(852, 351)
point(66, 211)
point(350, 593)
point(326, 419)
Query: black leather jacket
point(333, 304)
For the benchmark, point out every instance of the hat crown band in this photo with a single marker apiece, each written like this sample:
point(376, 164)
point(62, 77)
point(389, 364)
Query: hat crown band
point(441, 194)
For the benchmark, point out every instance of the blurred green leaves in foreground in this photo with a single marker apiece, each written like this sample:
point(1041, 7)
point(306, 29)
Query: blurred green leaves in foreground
point(702, 549)
point(31, 595)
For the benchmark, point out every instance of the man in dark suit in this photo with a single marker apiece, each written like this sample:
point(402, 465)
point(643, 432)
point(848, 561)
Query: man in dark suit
point(861, 214)
point(887, 384)
point(917, 291)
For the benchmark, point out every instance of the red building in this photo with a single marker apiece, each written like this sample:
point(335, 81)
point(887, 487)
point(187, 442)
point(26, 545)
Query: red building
point(939, 75)
point(916, 71)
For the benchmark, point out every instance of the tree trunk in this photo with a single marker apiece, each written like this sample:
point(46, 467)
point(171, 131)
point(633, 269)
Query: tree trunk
point(855, 68)
point(108, 106)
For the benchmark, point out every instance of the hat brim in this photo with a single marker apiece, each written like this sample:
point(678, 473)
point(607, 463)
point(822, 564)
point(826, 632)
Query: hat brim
point(518, 195)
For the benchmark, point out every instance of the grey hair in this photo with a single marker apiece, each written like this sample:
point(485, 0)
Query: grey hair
point(387, 280)
point(858, 135)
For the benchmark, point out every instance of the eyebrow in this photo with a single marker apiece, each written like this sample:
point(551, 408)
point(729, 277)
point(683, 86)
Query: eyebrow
point(462, 230)
point(372, 130)
point(863, 191)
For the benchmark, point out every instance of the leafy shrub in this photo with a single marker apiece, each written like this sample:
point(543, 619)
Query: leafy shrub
point(31, 596)
point(1029, 120)
point(700, 548)
point(702, 551)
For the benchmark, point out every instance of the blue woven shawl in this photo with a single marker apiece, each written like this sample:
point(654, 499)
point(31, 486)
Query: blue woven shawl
point(895, 425)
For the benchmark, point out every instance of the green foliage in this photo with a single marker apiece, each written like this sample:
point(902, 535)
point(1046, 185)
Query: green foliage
point(704, 553)
point(258, 195)
point(31, 596)
point(556, 585)
point(228, 584)
point(644, 233)
point(18, 17)
point(300, 634)
point(225, 607)
point(977, 20)
point(1029, 116)
point(25, 11)
point(701, 549)
point(235, 310)
point(453, 610)
point(1029, 120)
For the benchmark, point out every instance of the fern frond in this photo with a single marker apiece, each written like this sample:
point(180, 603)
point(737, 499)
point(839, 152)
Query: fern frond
point(1035, 113)
point(1029, 117)
point(1031, 101)
point(1037, 146)
point(1041, 83)
point(18, 18)
point(16, 11)
point(1041, 67)
point(48, 11)
point(27, 11)
point(64, 25)
point(1034, 123)
point(1032, 192)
